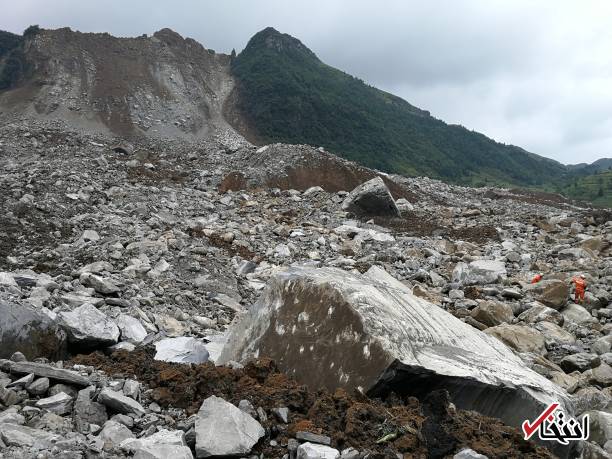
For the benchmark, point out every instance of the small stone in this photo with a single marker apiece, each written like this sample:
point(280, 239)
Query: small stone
point(316, 451)
point(313, 438)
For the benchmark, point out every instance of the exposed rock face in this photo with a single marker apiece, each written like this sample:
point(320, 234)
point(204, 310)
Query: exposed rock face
point(159, 85)
point(370, 199)
point(29, 331)
point(374, 335)
point(224, 430)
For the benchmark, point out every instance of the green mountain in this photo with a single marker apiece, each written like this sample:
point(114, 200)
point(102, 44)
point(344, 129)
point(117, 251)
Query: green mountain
point(595, 188)
point(286, 94)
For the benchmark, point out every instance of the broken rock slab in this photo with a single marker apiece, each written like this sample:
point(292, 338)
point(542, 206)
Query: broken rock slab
point(370, 199)
point(16, 435)
point(45, 371)
point(25, 329)
point(372, 334)
point(119, 402)
point(184, 349)
point(87, 326)
point(59, 404)
point(222, 429)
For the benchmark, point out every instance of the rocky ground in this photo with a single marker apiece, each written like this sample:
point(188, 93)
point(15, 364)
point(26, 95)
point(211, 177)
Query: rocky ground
point(119, 260)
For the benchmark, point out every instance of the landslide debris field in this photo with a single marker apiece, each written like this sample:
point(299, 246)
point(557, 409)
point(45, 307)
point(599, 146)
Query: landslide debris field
point(140, 277)
point(412, 428)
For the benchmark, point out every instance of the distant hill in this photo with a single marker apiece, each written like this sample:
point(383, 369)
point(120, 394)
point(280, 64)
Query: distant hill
point(595, 188)
point(600, 165)
point(285, 93)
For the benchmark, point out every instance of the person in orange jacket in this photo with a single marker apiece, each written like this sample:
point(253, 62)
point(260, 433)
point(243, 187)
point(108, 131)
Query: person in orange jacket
point(580, 283)
point(537, 278)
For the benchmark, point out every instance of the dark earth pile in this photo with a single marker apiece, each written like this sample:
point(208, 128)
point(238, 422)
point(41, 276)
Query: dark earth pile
point(417, 429)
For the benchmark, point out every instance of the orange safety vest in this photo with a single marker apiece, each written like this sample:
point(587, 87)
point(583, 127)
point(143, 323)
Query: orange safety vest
point(580, 284)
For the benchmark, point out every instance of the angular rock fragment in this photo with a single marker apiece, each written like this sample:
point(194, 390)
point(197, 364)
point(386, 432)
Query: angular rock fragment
point(371, 333)
point(113, 434)
point(45, 371)
point(59, 404)
point(87, 326)
point(131, 329)
point(224, 430)
point(120, 403)
point(479, 272)
point(88, 412)
point(370, 199)
point(16, 435)
point(181, 350)
point(25, 329)
point(315, 451)
point(552, 293)
point(519, 338)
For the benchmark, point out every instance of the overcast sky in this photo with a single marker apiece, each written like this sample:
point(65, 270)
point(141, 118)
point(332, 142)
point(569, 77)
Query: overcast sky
point(537, 74)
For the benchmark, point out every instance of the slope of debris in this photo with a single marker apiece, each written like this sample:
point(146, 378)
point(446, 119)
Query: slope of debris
point(174, 239)
point(159, 85)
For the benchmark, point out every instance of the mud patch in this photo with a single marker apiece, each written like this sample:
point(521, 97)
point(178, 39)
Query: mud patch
point(380, 427)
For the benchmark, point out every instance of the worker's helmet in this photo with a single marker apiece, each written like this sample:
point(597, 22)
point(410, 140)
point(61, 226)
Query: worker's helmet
point(583, 276)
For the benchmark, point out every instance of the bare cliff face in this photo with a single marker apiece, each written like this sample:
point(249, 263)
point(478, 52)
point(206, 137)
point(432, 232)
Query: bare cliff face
point(163, 85)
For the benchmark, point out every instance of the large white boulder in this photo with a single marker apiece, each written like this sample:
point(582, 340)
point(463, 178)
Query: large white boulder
point(332, 328)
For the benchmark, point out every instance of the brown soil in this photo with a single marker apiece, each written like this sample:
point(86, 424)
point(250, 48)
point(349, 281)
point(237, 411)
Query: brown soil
point(531, 197)
point(417, 430)
point(415, 224)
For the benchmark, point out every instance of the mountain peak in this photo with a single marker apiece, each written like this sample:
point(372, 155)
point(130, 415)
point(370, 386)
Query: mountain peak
point(271, 39)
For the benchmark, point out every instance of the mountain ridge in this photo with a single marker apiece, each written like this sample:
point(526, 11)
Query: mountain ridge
point(275, 90)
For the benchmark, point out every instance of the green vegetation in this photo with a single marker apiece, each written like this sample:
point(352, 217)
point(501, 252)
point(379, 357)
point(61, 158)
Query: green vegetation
point(287, 94)
point(595, 188)
point(10, 59)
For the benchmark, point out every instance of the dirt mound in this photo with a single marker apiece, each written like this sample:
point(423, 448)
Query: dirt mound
point(429, 429)
point(300, 167)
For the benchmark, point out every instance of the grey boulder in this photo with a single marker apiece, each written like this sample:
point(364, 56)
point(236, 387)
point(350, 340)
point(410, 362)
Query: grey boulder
point(89, 327)
point(181, 350)
point(59, 404)
point(479, 272)
point(552, 293)
point(119, 402)
point(25, 329)
point(370, 199)
point(222, 429)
